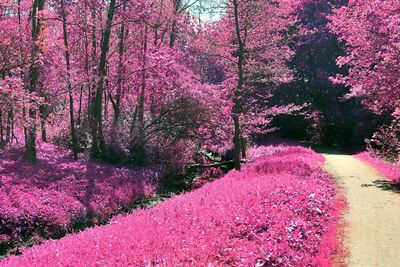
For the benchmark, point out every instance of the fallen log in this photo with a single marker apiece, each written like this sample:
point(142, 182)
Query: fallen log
point(214, 165)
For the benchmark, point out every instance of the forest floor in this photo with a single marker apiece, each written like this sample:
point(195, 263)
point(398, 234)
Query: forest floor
point(372, 231)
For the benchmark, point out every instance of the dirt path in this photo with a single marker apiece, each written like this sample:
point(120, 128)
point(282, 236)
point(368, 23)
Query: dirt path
point(373, 216)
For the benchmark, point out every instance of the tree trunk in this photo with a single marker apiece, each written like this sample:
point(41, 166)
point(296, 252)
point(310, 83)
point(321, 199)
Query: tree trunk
point(143, 89)
point(138, 142)
point(238, 91)
point(42, 111)
point(30, 144)
point(1, 129)
point(243, 144)
point(10, 118)
point(106, 90)
point(69, 85)
point(177, 11)
point(96, 114)
point(172, 37)
point(121, 72)
point(80, 107)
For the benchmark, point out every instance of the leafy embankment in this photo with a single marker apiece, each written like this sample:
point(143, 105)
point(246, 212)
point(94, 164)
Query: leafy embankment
point(389, 170)
point(54, 196)
point(280, 210)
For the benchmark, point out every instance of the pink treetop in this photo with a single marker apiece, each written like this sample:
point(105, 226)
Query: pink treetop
point(263, 30)
point(371, 30)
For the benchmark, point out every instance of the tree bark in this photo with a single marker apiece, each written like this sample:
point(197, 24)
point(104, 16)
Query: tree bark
point(80, 107)
point(121, 72)
point(10, 119)
point(1, 129)
point(96, 114)
point(30, 138)
point(42, 111)
point(172, 37)
point(69, 85)
point(243, 144)
point(238, 91)
point(143, 89)
point(138, 138)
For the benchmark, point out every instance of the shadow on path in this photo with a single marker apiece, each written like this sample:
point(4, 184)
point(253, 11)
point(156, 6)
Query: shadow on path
point(385, 185)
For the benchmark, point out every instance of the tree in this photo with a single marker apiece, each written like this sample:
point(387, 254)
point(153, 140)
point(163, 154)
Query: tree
point(96, 112)
point(250, 39)
point(370, 30)
point(69, 85)
point(30, 137)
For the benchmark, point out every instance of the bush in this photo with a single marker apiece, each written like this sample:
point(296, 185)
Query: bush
point(390, 170)
point(48, 199)
point(385, 143)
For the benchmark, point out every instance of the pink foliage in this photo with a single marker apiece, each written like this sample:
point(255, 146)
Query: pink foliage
point(280, 210)
point(371, 31)
point(262, 151)
point(390, 170)
point(59, 192)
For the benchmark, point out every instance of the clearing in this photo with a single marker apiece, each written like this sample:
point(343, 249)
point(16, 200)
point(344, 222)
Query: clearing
point(372, 234)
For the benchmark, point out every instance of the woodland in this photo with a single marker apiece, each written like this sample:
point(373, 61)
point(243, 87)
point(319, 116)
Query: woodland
point(180, 132)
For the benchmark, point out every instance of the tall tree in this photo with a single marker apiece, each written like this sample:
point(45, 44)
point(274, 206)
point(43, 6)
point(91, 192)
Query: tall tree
point(69, 85)
point(30, 138)
point(250, 38)
point(240, 80)
point(96, 112)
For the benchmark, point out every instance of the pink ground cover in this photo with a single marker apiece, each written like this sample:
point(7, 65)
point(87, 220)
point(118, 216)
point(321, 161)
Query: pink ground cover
point(280, 210)
point(390, 170)
point(48, 199)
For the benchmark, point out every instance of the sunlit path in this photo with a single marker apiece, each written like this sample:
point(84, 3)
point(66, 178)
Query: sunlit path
point(373, 216)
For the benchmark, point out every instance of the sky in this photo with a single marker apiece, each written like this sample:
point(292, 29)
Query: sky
point(206, 10)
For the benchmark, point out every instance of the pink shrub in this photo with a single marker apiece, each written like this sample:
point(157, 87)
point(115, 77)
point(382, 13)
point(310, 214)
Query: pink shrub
point(390, 170)
point(49, 198)
point(262, 151)
point(280, 210)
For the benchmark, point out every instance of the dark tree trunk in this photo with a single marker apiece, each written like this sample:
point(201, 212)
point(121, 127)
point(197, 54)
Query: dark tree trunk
point(172, 37)
point(106, 89)
point(30, 137)
point(243, 144)
point(42, 110)
point(143, 90)
point(87, 61)
point(173, 34)
point(121, 72)
point(96, 114)
point(69, 85)
point(138, 139)
point(91, 84)
point(10, 119)
point(238, 91)
point(1, 129)
point(80, 106)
